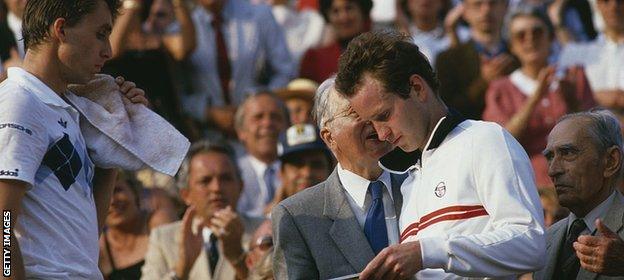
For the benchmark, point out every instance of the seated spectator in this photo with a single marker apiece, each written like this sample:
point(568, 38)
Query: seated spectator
point(208, 242)
point(303, 29)
point(258, 122)
point(305, 161)
point(298, 97)
point(233, 37)
point(426, 25)
point(466, 70)
point(144, 49)
point(124, 241)
point(602, 58)
point(530, 100)
point(347, 18)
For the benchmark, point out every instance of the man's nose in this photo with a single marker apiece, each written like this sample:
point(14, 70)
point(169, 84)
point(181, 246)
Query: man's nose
point(383, 132)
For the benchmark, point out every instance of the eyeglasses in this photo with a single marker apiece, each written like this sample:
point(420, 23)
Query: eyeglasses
point(264, 243)
point(522, 35)
point(346, 113)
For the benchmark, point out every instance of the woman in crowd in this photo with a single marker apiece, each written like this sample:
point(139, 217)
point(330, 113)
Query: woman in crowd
point(530, 100)
point(148, 38)
point(124, 243)
point(347, 18)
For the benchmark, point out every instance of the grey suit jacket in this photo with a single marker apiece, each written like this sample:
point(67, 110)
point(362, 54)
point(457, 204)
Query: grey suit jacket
point(556, 235)
point(317, 235)
point(163, 249)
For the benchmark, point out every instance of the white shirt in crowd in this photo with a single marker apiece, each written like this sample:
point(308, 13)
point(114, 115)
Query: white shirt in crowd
point(602, 59)
point(303, 29)
point(360, 200)
point(430, 43)
point(256, 194)
point(252, 36)
point(42, 145)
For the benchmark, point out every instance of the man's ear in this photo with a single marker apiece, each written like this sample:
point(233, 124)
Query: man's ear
point(185, 195)
point(57, 30)
point(613, 161)
point(327, 137)
point(419, 87)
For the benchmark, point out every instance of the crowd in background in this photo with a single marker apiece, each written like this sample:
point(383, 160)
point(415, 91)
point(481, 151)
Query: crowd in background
point(246, 72)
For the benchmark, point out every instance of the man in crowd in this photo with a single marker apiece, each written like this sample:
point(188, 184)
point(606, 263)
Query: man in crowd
point(305, 161)
point(232, 37)
point(471, 206)
point(466, 70)
point(208, 242)
point(335, 228)
point(584, 155)
point(258, 122)
point(54, 196)
point(603, 58)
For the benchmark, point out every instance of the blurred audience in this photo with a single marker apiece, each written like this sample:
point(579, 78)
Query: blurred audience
point(305, 161)
point(15, 10)
point(347, 19)
point(260, 244)
point(234, 40)
point(303, 29)
point(602, 58)
point(299, 97)
point(530, 100)
point(466, 70)
point(258, 122)
point(123, 243)
point(553, 212)
point(208, 242)
point(145, 44)
point(426, 18)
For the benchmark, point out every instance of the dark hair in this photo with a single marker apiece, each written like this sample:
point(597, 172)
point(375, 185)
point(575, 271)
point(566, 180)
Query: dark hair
point(446, 7)
point(534, 13)
point(387, 56)
point(40, 14)
point(365, 6)
point(216, 145)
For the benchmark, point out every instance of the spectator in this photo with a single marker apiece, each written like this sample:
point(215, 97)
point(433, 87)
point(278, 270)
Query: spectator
point(298, 97)
point(259, 121)
point(232, 37)
point(260, 244)
point(466, 70)
point(529, 101)
point(305, 161)
point(336, 227)
point(584, 155)
point(144, 50)
point(124, 242)
point(58, 204)
point(602, 58)
point(303, 29)
point(208, 242)
point(426, 25)
point(347, 18)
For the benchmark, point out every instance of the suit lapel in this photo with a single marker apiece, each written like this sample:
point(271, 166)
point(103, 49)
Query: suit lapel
point(345, 231)
point(553, 245)
point(614, 221)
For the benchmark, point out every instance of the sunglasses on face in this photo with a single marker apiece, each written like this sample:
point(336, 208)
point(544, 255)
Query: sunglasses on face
point(523, 34)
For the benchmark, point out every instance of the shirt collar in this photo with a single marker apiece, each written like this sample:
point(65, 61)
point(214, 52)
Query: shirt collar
point(260, 166)
point(524, 83)
point(357, 186)
point(398, 161)
point(36, 86)
point(599, 211)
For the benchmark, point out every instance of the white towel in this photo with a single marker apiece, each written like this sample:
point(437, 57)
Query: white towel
point(122, 134)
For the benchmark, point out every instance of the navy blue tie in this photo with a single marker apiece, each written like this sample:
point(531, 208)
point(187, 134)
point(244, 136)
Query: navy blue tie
point(375, 225)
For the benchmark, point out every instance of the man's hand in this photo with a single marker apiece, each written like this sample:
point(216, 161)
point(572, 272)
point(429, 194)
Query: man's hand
point(191, 244)
point(228, 228)
point(496, 67)
point(130, 91)
point(400, 261)
point(602, 254)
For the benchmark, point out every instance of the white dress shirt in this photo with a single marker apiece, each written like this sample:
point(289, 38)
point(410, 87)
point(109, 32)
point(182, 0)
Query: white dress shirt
point(360, 200)
point(599, 212)
point(255, 196)
point(602, 59)
point(252, 36)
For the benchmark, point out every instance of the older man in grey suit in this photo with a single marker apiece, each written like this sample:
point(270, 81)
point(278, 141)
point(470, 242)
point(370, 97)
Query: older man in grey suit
point(335, 228)
point(584, 155)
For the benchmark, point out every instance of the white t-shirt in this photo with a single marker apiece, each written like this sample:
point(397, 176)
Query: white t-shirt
point(41, 144)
